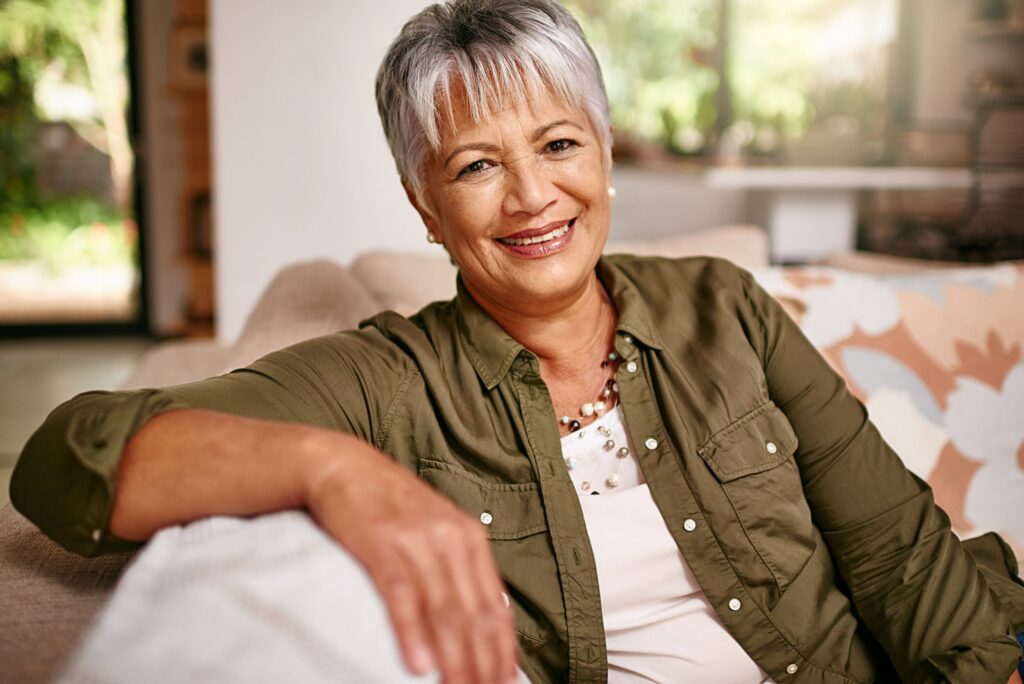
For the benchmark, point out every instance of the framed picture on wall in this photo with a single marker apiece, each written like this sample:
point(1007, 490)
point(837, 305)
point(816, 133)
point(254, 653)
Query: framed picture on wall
point(189, 58)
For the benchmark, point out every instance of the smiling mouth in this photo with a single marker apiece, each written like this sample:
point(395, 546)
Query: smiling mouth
point(552, 234)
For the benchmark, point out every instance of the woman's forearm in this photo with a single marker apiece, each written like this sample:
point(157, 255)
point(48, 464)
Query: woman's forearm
point(431, 562)
point(189, 464)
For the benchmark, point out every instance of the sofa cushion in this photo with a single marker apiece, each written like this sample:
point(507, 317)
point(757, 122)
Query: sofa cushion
point(937, 359)
point(887, 264)
point(304, 300)
point(406, 282)
point(744, 245)
point(49, 598)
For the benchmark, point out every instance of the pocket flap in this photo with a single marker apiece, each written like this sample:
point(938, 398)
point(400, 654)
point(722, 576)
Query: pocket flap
point(513, 510)
point(759, 441)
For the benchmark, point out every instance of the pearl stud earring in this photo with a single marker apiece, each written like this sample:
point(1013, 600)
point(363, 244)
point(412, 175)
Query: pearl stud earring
point(611, 191)
point(430, 238)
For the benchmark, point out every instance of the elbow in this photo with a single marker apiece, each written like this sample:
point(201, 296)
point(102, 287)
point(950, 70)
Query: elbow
point(67, 502)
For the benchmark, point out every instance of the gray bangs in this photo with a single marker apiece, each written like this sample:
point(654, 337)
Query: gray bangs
point(492, 53)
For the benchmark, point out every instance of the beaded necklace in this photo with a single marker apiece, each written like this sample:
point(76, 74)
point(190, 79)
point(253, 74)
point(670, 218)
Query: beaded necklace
point(605, 400)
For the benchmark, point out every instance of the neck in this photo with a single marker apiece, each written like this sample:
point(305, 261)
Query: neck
point(567, 336)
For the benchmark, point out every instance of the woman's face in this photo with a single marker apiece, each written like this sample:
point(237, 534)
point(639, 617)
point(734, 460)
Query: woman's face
point(520, 201)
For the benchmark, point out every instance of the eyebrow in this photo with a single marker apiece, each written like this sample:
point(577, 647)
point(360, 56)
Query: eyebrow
point(487, 147)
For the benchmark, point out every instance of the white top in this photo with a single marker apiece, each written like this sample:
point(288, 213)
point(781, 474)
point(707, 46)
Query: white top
point(658, 624)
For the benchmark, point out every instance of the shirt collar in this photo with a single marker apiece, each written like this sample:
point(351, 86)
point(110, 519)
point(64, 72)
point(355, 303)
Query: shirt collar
point(492, 351)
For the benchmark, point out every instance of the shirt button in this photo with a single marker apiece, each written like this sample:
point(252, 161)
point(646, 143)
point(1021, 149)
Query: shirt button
point(651, 443)
point(689, 524)
point(792, 668)
point(770, 446)
point(97, 534)
point(631, 366)
point(734, 604)
point(628, 339)
point(486, 518)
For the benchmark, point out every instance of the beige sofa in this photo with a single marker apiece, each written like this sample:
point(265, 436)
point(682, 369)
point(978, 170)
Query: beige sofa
point(48, 596)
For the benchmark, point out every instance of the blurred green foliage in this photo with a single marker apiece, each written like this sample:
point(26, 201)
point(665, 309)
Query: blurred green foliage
point(654, 57)
point(57, 232)
point(662, 74)
point(17, 128)
point(33, 34)
point(66, 233)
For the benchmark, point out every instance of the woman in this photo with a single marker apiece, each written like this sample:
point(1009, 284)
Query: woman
point(663, 479)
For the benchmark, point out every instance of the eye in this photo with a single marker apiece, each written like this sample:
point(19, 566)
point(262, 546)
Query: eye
point(474, 168)
point(562, 145)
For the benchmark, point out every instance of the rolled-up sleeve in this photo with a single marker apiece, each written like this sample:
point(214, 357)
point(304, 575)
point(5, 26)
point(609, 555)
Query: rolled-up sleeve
point(913, 584)
point(65, 478)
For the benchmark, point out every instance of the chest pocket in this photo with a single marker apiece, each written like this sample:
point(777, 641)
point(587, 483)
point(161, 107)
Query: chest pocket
point(510, 511)
point(514, 518)
point(753, 461)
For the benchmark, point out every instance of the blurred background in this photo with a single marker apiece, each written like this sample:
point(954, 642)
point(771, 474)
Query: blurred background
point(106, 216)
point(129, 203)
point(161, 161)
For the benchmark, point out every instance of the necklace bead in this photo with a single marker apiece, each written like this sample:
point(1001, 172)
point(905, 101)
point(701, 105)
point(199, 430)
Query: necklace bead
point(587, 410)
point(612, 481)
point(574, 425)
point(609, 445)
point(623, 452)
point(564, 420)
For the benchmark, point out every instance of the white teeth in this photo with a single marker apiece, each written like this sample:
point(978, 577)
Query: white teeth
point(522, 242)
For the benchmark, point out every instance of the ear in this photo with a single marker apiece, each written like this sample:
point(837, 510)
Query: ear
point(426, 214)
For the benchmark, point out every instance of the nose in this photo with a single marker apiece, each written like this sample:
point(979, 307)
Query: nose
point(528, 190)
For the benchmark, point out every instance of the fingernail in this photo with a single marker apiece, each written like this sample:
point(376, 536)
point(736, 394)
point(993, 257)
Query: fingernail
point(422, 660)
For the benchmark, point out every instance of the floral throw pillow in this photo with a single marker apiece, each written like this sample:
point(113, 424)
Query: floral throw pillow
point(938, 359)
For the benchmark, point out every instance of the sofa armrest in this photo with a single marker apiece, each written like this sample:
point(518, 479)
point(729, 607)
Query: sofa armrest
point(48, 597)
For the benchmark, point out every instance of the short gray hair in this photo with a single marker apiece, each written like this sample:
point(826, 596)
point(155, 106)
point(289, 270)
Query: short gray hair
point(499, 52)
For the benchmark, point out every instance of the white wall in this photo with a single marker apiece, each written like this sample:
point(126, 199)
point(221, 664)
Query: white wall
point(301, 167)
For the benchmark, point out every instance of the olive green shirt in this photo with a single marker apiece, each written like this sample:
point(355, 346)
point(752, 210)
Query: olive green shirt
point(822, 555)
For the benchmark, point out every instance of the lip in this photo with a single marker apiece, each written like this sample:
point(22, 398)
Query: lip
point(531, 232)
point(542, 249)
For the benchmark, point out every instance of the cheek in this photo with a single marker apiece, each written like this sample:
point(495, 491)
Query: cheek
point(472, 210)
point(585, 177)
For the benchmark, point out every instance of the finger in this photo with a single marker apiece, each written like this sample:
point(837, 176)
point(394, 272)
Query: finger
point(474, 594)
point(443, 612)
point(505, 647)
point(402, 599)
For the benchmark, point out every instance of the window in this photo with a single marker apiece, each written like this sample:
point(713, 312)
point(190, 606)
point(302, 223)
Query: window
point(68, 237)
point(799, 81)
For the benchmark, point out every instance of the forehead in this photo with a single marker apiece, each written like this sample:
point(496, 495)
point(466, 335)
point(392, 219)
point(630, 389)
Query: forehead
point(500, 115)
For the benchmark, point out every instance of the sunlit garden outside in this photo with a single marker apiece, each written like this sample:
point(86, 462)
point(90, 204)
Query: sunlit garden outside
point(68, 238)
point(746, 81)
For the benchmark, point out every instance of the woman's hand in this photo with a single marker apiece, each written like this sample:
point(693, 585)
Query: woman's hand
point(430, 561)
